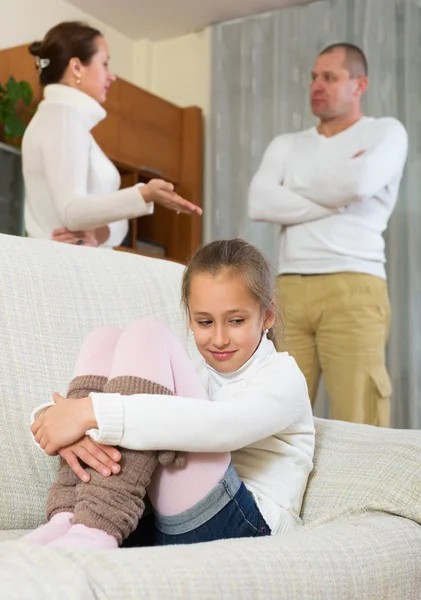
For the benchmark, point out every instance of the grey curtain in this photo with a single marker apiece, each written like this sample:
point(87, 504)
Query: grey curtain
point(260, 78)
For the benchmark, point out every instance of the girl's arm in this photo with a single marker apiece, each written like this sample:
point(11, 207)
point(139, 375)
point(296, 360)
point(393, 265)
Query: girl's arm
point(268, 404)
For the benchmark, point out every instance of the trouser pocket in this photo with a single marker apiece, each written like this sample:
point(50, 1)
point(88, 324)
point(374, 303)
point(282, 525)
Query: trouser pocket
point(380, 391)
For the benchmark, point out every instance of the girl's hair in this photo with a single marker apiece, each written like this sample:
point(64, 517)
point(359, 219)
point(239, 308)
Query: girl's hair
point(70, 39)
point(245, 262)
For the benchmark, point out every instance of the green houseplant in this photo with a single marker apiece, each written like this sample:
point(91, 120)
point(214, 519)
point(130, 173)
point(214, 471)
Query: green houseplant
point(10, 94)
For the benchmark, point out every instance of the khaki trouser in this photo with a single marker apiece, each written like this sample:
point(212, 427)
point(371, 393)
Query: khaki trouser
point(338, 325)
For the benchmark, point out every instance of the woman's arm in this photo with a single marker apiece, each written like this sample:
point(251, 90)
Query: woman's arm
point(108, 235)
point(66, 157)
point(65, 151)
point(115, 235)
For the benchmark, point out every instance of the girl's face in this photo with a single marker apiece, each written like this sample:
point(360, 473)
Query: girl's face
point(95, 78)
point(226, 320)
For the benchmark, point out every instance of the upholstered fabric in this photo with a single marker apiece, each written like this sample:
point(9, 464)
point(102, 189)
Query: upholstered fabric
point(361, 469)
point(364, 558)
point(52, 296)
point(360, 536)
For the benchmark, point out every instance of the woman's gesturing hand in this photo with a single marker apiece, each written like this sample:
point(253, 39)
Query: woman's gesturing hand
point(162, 192)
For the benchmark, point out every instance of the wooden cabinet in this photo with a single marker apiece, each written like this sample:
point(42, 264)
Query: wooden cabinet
point(149, 131)
point(146, 137)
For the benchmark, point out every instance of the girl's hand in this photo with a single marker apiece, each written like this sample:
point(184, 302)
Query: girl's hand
point(64, 423)
point(162, 192)
point(102, 458)
point(85, 238)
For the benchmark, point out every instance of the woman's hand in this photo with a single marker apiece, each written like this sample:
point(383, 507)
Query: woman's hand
point(64, 423)
point(85, 238)
point(162, 192)
point(102, 458)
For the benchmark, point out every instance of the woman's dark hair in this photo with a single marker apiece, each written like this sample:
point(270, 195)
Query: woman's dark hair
point(71, 39)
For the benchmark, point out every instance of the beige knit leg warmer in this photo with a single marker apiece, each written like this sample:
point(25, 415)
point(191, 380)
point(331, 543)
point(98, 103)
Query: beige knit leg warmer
point(115, 504)
point(62, 494)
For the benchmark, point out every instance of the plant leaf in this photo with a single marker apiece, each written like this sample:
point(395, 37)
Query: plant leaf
point(25, 92)
point(13, 126)
point(12, 88)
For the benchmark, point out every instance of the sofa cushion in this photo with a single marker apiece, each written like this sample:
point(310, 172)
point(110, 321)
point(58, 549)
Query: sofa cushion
point(52, 296)
point(361, 469)
point(375, 557)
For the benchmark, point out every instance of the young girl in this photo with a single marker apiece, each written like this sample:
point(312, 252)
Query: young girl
point(249, 436)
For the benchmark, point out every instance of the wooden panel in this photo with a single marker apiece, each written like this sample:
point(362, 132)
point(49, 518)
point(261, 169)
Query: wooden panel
point(181, 234)
point(142, 106)
point(112, 103)
point(106, 134)
point(22, 66)
point(187, 229)
point(134, 251)
point(19, 63)
point(158, 229)
point(150, 132)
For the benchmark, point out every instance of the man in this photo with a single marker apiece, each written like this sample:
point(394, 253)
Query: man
point(332, 188)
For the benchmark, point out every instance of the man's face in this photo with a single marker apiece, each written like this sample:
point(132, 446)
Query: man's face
point(333, 93)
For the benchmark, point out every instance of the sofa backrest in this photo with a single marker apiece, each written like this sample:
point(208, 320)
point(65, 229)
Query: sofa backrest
point(52, 296)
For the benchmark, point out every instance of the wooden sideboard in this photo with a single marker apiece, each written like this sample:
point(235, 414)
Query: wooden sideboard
point(146, 137)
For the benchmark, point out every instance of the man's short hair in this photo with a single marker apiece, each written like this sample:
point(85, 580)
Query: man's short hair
point(355, 59)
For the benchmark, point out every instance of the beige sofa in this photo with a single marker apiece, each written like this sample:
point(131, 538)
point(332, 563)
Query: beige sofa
point(361, 534)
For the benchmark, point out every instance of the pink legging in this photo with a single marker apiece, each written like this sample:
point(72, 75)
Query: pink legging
point(148, 349)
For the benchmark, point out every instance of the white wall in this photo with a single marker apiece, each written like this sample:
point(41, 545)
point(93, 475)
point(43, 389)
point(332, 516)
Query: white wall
point(24, 21)
point(181, 70)
point(177, 69)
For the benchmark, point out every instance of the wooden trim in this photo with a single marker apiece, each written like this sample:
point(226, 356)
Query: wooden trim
point(189, 229)
point(134, 251)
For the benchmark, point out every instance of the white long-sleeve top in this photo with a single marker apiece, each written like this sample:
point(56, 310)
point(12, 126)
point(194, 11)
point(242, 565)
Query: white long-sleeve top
point(261, 413)
point(332, 208)
point(69, 181)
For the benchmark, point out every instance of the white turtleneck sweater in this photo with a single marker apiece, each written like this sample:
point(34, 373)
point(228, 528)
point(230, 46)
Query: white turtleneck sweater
point(261, 413)
point(69, 182)
point(332, 208)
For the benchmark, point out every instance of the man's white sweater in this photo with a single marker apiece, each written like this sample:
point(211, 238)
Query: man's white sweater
point(332, 196)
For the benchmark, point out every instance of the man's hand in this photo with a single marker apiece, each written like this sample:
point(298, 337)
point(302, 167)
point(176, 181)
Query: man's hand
point(102, 458)
point(63, 424)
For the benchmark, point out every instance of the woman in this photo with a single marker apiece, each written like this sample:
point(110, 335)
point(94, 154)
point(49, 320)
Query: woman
point(72, 188)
